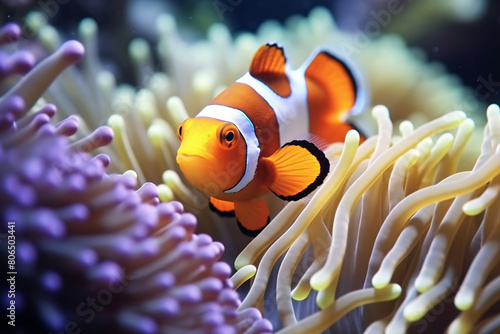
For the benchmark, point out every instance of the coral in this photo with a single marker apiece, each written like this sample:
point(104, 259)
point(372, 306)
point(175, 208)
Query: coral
point(393, 221)
point(92, 253)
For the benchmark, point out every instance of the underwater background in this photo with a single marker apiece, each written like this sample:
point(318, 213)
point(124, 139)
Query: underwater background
point(462, 35)
point(110, 236)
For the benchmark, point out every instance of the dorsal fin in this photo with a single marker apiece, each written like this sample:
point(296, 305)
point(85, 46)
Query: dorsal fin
point(335, 79)
point(268, 66)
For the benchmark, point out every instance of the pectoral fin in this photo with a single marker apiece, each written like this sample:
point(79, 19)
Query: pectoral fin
point(252, 216)
point(299, 167)
point(223, 208)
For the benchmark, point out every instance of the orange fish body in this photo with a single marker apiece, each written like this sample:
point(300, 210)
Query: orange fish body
point(244, 143)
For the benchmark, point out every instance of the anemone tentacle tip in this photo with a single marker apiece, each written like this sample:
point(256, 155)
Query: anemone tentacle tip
point(380, 281)
point(299, 294)
point(492, 108)
point(464, 300)
point(457, 116)
point(413, 313)
point(396, 290)
point(73, 50)
point(88, 26)
point(103, 135)
point(9, 33)
point(422, 284)
point(241, 262)
point(380, 110)
point(352, 136)
point(319, 281)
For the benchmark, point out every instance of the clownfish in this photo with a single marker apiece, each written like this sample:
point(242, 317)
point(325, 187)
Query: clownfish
point(244, 143)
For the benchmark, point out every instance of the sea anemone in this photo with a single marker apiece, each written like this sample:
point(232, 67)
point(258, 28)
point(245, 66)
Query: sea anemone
point(393, 221)
point(87, 251)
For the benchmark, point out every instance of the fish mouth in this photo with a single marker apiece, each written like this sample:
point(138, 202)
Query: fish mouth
point(189, 159)
point(194, 157)
point(195, 154)
point(185, 155)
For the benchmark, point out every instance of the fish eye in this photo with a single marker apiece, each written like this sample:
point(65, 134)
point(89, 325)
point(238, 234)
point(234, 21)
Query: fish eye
point(228, 135)
point(179, 131)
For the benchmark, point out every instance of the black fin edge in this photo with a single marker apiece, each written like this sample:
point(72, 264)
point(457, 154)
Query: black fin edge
point(228, 214)
point(279, 47)
point(259, 76)
point(251, 233)
point(349, 72)
point(323, 172)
